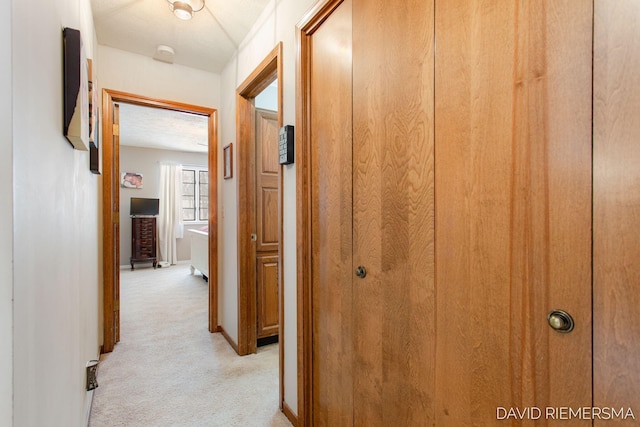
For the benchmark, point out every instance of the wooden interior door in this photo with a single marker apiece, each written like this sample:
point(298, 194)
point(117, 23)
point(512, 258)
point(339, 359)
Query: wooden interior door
point(513, 216)
point(331, 172)
point(267, 181)
point(616, 197)
point(394, 340)
point(372, 209)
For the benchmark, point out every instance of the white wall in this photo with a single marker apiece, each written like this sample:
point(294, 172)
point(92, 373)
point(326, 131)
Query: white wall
point(147, 161)
point(6, 225)
point(276, 24)
point(56, 240)
point(140, 75)
point(228, 256)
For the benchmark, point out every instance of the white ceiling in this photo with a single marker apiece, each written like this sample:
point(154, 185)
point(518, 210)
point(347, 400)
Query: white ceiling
point(149, 127)
point(206, 42)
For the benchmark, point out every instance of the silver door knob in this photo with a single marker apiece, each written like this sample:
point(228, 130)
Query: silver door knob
point(560, 321)
point(361, 272)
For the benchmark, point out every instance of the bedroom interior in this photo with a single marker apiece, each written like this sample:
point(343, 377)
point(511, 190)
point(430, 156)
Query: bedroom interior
point(148, 138)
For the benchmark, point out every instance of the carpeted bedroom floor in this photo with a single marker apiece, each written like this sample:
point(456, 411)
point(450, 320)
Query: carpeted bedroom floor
point(168, 370)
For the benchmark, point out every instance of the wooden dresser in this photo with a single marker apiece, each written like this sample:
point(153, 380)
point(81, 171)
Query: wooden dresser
point(143, 240)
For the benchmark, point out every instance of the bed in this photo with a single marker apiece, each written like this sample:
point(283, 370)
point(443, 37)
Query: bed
point(200, 251)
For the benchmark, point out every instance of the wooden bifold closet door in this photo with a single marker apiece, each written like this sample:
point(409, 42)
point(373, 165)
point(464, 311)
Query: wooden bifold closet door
point(373, 167)
point(451, 214)
point(513, 207)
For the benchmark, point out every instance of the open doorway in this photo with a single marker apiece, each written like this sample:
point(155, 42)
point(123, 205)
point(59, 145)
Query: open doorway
point(164, 153)
point(268, 73)
point(111, 206)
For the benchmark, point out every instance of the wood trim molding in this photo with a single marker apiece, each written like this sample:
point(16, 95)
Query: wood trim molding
point(110, 212)
point(227, 337)
point(213, 220)
point(108, 218)
point(245, 112)
point(266, 72)
point(286, 410)
point(129, 98)
point(270, 69)
point(304, 32)
point(281, 316)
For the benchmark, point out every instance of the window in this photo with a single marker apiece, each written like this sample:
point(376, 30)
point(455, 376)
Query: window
point(195, 194)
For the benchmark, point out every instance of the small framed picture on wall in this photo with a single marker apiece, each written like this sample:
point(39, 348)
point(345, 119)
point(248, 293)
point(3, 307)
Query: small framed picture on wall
point(131, 180)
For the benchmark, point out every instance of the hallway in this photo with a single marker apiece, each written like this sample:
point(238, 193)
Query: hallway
point(168, 370)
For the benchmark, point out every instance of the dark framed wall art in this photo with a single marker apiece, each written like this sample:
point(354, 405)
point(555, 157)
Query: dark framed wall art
point(76, 90)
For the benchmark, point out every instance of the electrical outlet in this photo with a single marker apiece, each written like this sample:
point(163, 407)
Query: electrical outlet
point(92, 374)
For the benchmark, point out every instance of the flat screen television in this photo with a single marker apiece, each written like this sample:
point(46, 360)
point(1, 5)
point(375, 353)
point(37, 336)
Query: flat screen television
point(144, 207)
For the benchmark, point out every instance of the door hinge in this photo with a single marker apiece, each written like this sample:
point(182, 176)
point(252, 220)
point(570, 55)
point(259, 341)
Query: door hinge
point(116, 305)
point(116, 217)
point(116, 129)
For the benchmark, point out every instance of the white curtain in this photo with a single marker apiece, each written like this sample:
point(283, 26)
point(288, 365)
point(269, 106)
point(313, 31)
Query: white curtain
point(169, 220)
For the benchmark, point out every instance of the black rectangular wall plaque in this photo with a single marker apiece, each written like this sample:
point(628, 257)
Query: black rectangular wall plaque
point(286, 145)
point(76, 96)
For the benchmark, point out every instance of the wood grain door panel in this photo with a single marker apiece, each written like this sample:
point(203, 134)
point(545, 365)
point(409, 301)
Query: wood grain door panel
point(513, 197)
point(267, 170)
point(616, 248)
point(267, 219)
point(331, 220)
point(393, 228)
point(267, 307)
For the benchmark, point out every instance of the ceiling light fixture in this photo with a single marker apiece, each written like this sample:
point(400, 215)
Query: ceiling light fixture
point(185, 9)
point(164, 54)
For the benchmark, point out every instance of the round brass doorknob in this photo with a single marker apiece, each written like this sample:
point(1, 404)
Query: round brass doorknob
point(560, 321)
point(361, 272)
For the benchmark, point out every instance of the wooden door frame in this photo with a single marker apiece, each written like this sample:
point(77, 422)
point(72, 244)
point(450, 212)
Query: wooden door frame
point(304, 32)
point(266, 72)
point(109, 97)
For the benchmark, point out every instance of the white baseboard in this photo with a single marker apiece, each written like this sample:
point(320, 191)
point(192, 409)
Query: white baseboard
point(87, 410)
point(128, 266)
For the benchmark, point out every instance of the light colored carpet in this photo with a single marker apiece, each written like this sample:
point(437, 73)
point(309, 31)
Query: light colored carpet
point(168, 370)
